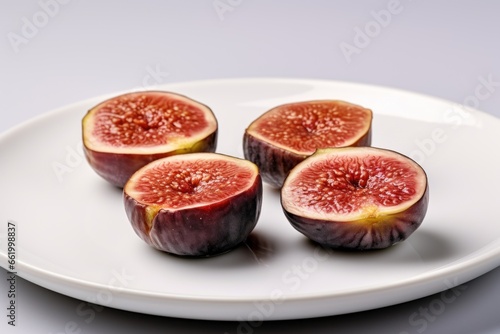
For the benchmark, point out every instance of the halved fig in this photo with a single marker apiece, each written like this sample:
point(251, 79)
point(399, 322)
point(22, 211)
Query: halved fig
point(356, 198)
point(197, 204)
point(124, 133)
point(285, 135)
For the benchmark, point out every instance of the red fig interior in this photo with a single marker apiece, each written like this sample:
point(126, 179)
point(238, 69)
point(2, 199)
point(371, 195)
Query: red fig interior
point(302, 127)
point(147, 122)
point(345, 184)
point(190, 180)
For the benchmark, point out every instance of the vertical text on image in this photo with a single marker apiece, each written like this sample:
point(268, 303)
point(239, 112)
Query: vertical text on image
point(11, 272)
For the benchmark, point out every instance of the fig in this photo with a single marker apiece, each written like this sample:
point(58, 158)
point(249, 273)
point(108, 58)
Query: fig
point(285, 135)
point(197, 204)
point(124, 133)
point(356, 198)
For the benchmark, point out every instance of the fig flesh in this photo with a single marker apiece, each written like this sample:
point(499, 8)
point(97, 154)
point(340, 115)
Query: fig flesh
point(198, 204)
point(356, 198)
point(285, 135)
point(124, 133)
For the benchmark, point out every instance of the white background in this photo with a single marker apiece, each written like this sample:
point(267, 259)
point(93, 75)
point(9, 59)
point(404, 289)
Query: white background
point(56, 53)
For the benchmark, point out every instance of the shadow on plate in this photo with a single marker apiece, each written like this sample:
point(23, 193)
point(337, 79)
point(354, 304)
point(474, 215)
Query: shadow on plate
point(257, 250)
point(431, 246)
point(421, 246)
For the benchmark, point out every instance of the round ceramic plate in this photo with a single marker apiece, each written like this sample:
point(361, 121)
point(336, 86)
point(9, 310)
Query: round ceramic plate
point(73, 237)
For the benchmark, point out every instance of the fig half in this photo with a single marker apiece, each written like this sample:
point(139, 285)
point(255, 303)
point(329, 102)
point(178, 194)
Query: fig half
point(124, 133)
point(197, 204)
point(356, 198)
point(285, 135)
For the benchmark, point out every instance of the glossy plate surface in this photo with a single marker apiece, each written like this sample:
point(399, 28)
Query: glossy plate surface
point(73, 236)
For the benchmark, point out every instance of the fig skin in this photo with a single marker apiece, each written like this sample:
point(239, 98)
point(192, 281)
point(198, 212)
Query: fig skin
point(117, 168)
point(202, 231)
point(367, 233)
point(275, 162)
point(363, 234)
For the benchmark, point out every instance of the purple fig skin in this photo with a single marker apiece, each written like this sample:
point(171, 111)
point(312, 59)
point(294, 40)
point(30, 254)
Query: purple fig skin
point(274, 162)
point(117, 168)
point(199, 231)
point(367, 234)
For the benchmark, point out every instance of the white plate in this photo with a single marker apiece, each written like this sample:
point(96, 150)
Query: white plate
point(73, 236)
